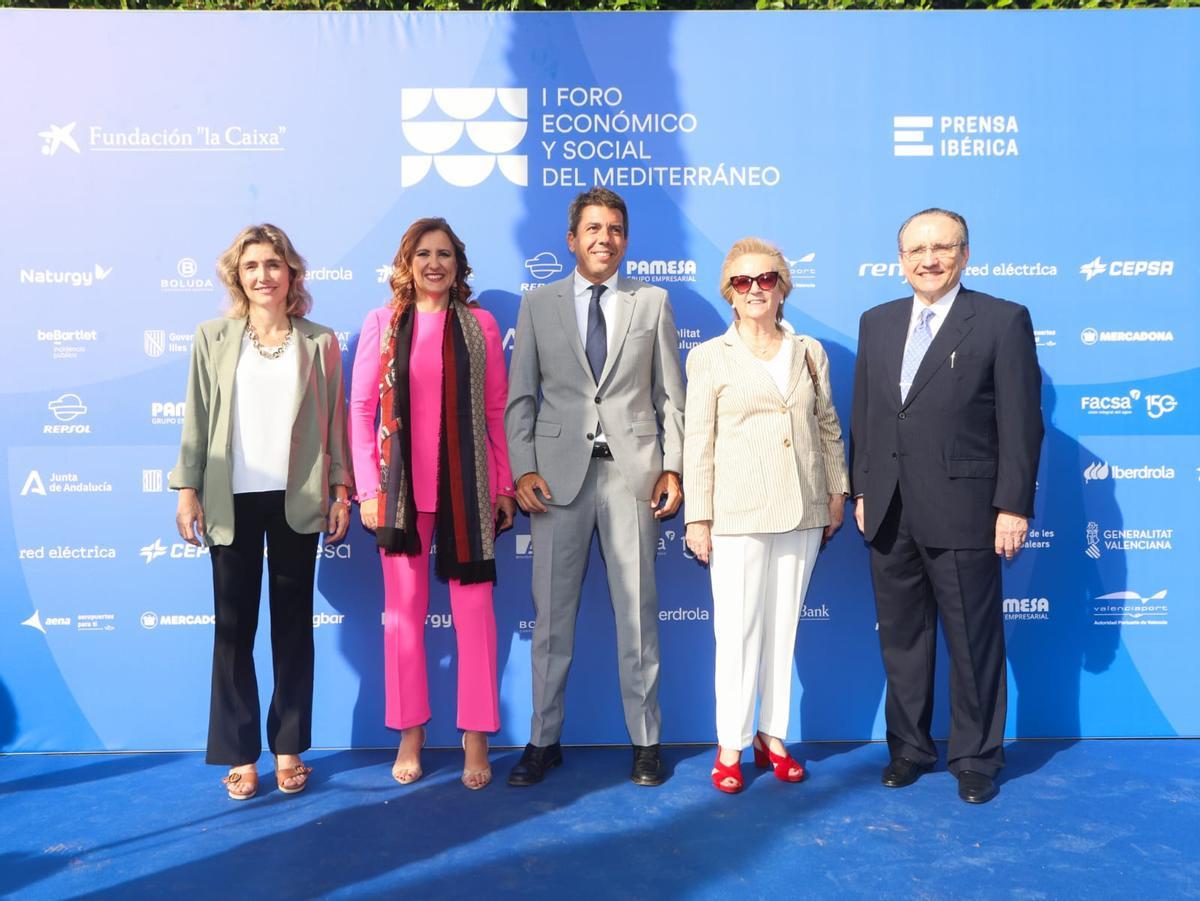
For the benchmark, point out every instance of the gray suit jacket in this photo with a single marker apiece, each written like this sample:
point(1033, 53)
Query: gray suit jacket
point(554, 402)
point(319, 457)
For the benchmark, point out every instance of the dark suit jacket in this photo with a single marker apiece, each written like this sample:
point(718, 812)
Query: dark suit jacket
point(965, 443)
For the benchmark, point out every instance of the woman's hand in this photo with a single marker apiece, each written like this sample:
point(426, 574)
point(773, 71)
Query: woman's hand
point(368, 512)
point(189, 517)
point(698, 538)
point(504, 513)
point(339, 521)
point(837, 512)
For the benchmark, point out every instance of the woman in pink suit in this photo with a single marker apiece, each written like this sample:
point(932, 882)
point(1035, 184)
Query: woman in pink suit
point(432, 365)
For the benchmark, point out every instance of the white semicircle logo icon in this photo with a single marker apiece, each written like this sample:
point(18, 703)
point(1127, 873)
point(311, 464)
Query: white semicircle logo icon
point(413, 169)
point(432, 137)
point(515, 101)
point(515, 169)
point(464, 103)
point(413, 101)
point(464, 171)
point(496, 137)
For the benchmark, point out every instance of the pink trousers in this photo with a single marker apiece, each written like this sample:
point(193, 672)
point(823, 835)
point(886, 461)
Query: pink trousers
point(406, 604)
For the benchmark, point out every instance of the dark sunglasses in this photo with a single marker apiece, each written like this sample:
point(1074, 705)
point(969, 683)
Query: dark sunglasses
point(766, 281)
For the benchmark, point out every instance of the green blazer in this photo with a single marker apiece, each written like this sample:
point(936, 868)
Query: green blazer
point(319, 458)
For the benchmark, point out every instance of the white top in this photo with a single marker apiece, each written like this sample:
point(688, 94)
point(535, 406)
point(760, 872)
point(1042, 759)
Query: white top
point(583, 300)
point(779, 367)
point(264, 406)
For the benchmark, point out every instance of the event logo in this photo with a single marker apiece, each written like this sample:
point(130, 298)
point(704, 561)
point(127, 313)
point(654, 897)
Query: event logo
point(1101, 470)
point(329, 274)
point(36, 621)
point(67, 552)
point(465, 107)
point(655, 271)
point(989, 135)
point(1127, 268)
point(543, 266)
point(383, 274)
point(167, 412)
point(684, 615)
point(152, 481)
point(62, 483)
point(1126, 540)
point(1027, 608)
point(70, 278)
point(180, 550)
point(152, 620)
point(157, 341)
point(1130, 609)
point(1156, 405)
point(58, 136)
point(1091, 336)
point(96, 622)
point(67, 408)
point(1039, 539)
point(803, 270)
point(524, 545)
point(33, 484)
point(185, 280)
point(975, 270)
point(1044, 337)
point(67, 343)
point(327, 619)
point(817, 613)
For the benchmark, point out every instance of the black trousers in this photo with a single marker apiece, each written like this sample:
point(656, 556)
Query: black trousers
point(914, 587)
point(234, 723)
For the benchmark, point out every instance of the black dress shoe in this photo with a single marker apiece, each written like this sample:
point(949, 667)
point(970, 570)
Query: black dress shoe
point(902, 771)
point(531, 768)
point(975, 788)
point(647, 766)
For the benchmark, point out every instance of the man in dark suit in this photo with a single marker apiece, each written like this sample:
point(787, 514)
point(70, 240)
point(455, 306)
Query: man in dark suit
point(946, 429)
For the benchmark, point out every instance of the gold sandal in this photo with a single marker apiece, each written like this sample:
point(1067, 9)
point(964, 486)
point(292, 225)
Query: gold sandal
point(299, 771)
point(406, 775)
point(471, 774)
point(249, 779)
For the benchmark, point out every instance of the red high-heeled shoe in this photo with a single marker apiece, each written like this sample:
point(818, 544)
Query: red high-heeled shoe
point(786, 767)
point(723, 771)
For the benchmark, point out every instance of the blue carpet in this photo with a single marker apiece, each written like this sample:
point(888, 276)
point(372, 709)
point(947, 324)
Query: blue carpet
point(1094, 819)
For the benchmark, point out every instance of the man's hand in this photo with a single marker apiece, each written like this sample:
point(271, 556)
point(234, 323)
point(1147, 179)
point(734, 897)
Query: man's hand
point(504, 512)
point(858, 514)
point(189, 517)
point(527, 487)
point(698, 539)
point(1011, 530)
point(339, 521)
point(837, 513)
point(368, 512)
point(668, 485)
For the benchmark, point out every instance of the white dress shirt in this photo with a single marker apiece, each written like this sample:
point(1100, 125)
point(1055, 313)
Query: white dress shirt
point(608, 302)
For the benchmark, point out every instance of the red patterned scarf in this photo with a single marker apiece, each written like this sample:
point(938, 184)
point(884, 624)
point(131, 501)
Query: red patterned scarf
point(465, 529)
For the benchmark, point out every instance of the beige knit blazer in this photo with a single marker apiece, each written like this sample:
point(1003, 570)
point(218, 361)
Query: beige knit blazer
point(756, 460)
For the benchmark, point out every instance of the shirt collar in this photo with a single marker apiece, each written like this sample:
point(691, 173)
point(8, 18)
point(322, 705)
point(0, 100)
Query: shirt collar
point(582, 285)
point(940, 307)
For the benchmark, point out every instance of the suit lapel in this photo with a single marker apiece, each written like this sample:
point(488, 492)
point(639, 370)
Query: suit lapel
point(799, 366)
point(306, 351)
point(956, 327)
point(618, 328)
point(229, 348)
point(895, 336)
point(751, 368)
point(570, 325)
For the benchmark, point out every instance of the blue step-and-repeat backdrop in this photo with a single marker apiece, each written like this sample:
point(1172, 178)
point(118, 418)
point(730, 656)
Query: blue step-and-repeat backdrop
point(136, 145)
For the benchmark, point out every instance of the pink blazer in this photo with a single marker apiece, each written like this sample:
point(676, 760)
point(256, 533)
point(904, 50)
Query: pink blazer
point(364, 404)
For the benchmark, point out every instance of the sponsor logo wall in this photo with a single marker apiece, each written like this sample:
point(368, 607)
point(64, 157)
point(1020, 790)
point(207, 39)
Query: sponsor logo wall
point(104, 324)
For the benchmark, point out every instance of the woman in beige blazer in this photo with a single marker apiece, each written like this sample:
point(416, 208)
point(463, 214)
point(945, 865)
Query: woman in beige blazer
point(263, 450)
point(765, 482)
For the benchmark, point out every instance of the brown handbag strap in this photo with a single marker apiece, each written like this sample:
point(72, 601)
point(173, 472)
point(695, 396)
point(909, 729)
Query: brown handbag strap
point(812, 374)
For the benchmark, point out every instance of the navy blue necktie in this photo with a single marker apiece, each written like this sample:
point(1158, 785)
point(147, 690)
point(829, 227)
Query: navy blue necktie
point(596, 345)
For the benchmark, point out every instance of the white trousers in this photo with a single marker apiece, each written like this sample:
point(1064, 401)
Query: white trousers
point(758, 585)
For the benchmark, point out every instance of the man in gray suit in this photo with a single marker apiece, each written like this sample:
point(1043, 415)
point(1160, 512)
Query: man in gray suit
point(595, 436)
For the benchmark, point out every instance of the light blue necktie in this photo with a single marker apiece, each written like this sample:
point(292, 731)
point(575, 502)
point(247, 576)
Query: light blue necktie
point(914, 352)
point(596, 345)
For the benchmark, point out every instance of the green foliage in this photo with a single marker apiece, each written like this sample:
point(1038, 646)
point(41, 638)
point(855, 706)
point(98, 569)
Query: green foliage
point(589, 5)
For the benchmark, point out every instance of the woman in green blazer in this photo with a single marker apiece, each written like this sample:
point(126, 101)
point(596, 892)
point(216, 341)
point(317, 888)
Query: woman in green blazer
point(263, 454)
